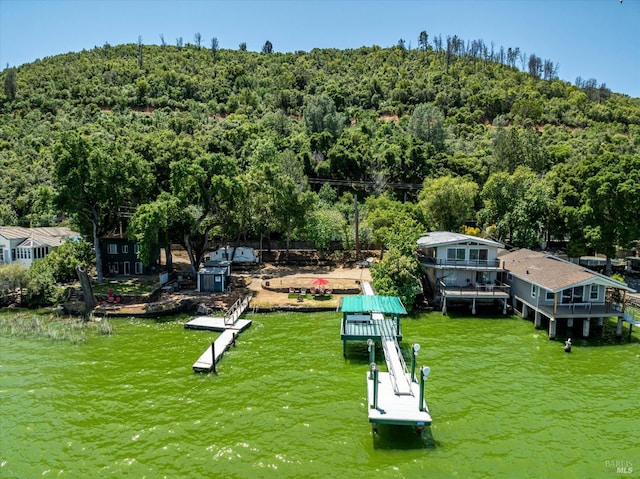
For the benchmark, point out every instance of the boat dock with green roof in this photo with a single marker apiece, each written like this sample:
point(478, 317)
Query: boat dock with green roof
point(395, 396)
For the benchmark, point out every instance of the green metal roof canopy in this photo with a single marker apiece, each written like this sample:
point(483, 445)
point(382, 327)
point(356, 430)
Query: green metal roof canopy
point(369, 304)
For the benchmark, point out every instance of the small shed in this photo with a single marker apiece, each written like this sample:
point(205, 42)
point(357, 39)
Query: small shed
point(213, 279)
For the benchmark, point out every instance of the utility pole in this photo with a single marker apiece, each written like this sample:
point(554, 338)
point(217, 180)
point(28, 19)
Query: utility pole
point(357, 226)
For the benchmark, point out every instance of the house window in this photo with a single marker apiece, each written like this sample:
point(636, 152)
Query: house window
point(1, 255)
point(577, 294)
point(534, 290)
point(13, 255)
point(450, 279)
point(509, 277)
point(113, 248)
point(138, 267)
point(483, 277)
point(137, 248)
point(550, 295)
point(594, 292)
point(125, 248)
point(455, 254)
point(113, 268)
point(478, 256)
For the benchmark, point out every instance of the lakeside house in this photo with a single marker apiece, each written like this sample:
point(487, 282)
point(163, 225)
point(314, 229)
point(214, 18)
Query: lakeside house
point(551, 289)
point(461, 268)
point(120, 257)
point(25, 245)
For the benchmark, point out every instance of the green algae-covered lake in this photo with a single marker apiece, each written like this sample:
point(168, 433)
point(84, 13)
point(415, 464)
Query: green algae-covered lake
point(505, 401)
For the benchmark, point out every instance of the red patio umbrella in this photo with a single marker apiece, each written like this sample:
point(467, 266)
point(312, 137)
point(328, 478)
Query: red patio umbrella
point(320, 282)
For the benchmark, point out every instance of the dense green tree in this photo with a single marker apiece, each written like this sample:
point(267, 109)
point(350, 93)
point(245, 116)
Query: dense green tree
point(398, 275)
point(320, 115)
point(600, 203)
point(423, 40)
point(427, 124)
point(209, 191)
point(387, 218)
point(13, 277)
point(95, 180)
point(10, 84)
point(215, 47)
point(448, 202)
point(517, 204)
point(41, 288)
point(155, 225)
point(267, 47)
point(62, 261)
point(324, 225)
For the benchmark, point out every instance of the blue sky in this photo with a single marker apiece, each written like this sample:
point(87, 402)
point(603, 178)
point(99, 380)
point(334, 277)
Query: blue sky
point(589, 38)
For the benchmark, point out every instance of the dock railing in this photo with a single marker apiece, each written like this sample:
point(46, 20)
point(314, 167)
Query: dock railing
point(234, 312)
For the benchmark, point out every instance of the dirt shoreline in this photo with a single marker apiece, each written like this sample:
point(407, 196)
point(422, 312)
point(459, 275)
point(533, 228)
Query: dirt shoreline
point(269, 286)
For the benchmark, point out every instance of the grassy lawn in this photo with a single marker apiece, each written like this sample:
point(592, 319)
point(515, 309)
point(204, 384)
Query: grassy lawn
point(135, 286)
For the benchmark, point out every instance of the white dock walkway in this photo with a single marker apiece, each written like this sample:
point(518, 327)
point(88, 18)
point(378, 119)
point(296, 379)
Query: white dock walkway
point(214, 352)
point(230, 325)
point(397, 369)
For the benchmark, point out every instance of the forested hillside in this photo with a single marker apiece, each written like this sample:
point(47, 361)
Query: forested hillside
point(206, 145)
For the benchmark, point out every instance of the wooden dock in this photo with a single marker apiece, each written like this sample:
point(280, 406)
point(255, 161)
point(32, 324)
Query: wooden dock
point(230, 325)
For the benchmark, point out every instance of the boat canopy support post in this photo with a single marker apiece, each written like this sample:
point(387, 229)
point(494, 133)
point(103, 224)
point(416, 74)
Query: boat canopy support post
point(371, 345)
point(374, 378)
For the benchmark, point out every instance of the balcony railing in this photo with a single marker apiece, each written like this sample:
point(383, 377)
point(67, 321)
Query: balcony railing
point(460, 263)
point(474, 290)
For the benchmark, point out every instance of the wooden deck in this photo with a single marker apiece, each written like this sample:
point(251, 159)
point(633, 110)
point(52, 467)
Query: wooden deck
point(486, 292)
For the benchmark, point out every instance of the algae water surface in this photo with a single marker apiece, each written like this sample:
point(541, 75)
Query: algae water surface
point(506, 402)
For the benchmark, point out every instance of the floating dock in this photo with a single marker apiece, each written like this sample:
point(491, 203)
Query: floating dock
point(230, 325)
point(392, 408)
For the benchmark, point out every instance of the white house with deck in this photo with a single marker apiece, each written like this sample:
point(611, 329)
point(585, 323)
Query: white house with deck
point(461, 268)
point(552, 289)
point(25, 245)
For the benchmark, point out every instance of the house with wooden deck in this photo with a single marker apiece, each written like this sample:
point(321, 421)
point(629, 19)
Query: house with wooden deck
point(26, 245)
point(551, 290)
point(460, 268)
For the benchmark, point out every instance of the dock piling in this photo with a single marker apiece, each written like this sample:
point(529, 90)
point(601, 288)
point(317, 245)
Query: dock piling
point(414, 353)
point(374, 378)
point(371, 345)
point(424, 374)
